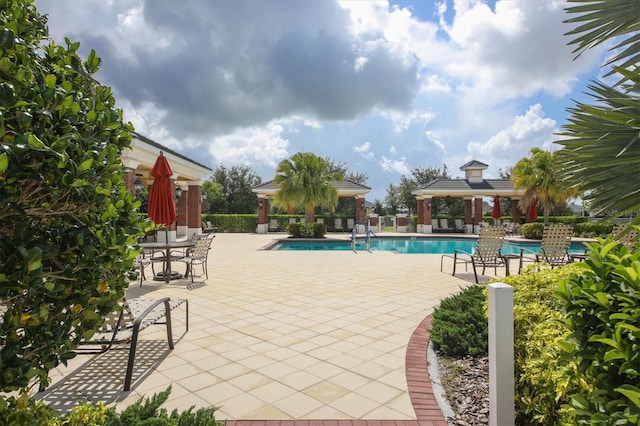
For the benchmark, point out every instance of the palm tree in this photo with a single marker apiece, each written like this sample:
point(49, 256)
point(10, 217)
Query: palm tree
point(601, 142)
point(305, 180)
point(540, 176)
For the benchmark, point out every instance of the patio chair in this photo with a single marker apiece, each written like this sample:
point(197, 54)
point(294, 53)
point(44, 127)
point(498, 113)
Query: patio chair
point(486, 254)
point(554, 248)
point(459, 226)
point(351, 223)
point(444, 224)
point(337, 224)
point(273, 225)
point(197, 255)
point(122, 327)
point(142, 261)
point(627, 235)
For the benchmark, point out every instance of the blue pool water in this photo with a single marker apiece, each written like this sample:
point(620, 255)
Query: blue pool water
point(412, 245)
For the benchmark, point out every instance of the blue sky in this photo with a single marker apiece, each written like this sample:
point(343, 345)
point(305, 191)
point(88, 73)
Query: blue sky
point(383, 86)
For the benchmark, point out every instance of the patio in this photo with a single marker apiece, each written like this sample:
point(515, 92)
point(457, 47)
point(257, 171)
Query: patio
point(283, 336)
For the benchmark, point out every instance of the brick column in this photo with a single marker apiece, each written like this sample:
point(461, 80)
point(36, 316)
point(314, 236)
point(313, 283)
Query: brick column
point(360, 210)
point(129, 179)
point(515, 210)
point(194, 209)
point(478, 215)
point(263, 216)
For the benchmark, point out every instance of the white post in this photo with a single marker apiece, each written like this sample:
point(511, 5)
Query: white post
point(501, 370)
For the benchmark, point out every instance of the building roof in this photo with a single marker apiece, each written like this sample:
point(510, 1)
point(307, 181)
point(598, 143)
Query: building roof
point(474, 164)
point(144, 152)
point(346, 188)
point(462, 187)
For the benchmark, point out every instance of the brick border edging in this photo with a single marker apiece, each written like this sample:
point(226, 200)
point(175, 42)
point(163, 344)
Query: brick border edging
point(424, 402)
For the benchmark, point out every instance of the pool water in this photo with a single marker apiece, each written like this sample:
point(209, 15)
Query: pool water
point(412, 245)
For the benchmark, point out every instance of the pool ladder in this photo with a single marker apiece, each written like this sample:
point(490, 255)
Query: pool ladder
point(367, 240)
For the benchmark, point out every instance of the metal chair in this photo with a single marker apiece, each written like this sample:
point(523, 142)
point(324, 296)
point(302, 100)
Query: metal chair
point(121, 328)
point(554, 248)
point(197, 255)
point(486, 254)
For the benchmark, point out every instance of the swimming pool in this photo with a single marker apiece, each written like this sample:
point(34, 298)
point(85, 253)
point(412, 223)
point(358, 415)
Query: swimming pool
point(411, 245)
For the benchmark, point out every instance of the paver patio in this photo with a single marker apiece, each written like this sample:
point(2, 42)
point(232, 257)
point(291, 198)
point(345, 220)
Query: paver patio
point(284, 336)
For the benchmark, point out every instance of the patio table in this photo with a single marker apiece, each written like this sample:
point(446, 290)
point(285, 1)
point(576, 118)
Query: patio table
point(166, 275)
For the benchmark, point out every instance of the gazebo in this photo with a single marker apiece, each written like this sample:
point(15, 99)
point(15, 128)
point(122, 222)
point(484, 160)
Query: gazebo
point(187, 179)
point(345, 188)
point(473, 188)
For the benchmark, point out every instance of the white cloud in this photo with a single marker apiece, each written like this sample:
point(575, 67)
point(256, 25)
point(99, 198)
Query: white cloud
point(511, 144)
point(399, 166)
point(251, 146)
point(364, 150)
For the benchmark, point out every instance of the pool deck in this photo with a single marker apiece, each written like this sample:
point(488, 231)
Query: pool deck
point(285, 338)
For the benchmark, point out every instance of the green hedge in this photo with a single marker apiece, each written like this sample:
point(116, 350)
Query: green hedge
point(232, 222)
point(602, 310)
point(582, 229)
point(459, 327)
point(544, 380)
point(307, 230)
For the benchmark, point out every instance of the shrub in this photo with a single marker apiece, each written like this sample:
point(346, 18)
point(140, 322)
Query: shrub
point(602, 307)
point(147, 411)
point(67, 221)
point(543, 378)
point(593, 229)
point(307, 230)
point(532, 231)
point(232, 222)
point(459, 325)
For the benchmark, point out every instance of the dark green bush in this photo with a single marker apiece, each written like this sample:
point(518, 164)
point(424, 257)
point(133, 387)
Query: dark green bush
point(307, 230)
point(602, 308)
point(532, 231)
point(147, 411)
point(592, 229)
point(232, 222)
point(459, 327)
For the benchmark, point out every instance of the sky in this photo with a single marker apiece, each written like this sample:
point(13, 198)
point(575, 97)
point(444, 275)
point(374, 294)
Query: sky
point(383, 86)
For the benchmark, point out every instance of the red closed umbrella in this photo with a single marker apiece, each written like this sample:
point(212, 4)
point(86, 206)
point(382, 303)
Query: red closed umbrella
point(162, 207)
point(496, 213)
point(532, 211)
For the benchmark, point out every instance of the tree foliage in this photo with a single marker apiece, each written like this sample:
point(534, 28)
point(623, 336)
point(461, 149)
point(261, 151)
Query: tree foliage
point(236, 187)
point(602, 140)
point(305, 180)
point(67, 221)
point(400, 197)
point(540, 176)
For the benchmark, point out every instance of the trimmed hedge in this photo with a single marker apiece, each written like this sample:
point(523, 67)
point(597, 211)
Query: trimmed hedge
point(459, 327)
point(307, 230)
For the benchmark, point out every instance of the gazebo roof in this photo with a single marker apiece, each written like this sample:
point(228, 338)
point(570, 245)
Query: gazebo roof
point(464, 188)
point(346, 188)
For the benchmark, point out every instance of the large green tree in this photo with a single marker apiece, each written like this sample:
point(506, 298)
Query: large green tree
point(236, 185)
point(67, 221)
point(602, 140)
point(540, 175)
point(306, 180)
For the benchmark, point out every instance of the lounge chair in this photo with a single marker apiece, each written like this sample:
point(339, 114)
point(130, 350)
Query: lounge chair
point(627, 235)
point(351, 223)
point(122, 327)
point(273, 225)
point(444, 224)
point(337, 224)
point(459, 226)
point(486, 254)
point(197, 255)
point(554, 248)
